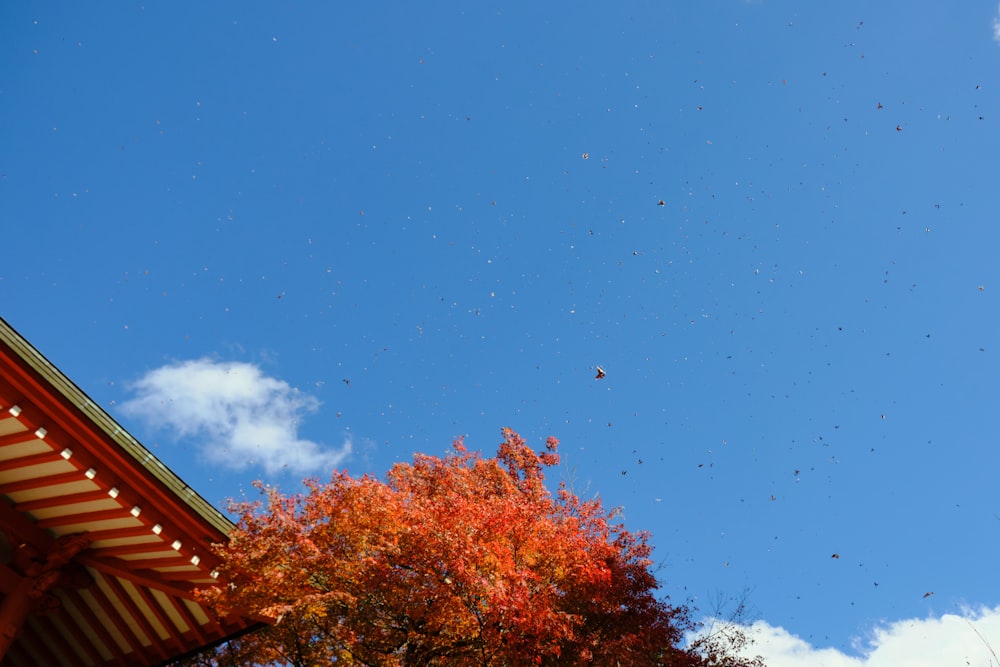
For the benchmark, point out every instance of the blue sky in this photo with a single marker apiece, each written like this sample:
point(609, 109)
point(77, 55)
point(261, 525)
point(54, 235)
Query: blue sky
point(277, 238)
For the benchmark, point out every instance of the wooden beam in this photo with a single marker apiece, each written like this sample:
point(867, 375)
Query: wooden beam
point(148, 578)
point(41, 482)
point(177, 560)
point(188, 575)
point(122, 533)
point(133, 549)
point(85, 615)
point(31, 460)
point(188, 617)
point(136, 613)
point(85, 517)
point(57, 501)
point(173, 635)
point(124, 630)
point(18, 438)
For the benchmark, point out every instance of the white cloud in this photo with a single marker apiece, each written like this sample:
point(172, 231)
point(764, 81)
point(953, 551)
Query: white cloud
point(951, 639)
point(237, 415)
point(996, 25)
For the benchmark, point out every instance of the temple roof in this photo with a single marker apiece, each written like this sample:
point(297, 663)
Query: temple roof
point(101, 544)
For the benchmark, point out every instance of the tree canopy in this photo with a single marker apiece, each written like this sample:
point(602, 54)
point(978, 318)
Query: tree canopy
point(454, 560)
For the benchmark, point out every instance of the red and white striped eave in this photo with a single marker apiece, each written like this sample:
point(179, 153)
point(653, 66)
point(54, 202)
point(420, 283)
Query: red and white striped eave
point(98, 557)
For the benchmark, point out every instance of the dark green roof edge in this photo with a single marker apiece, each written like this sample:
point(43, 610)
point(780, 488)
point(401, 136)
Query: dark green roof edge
point(113, 429)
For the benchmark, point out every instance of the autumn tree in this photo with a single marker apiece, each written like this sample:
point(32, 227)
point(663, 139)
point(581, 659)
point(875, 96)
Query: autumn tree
point(460, 560)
